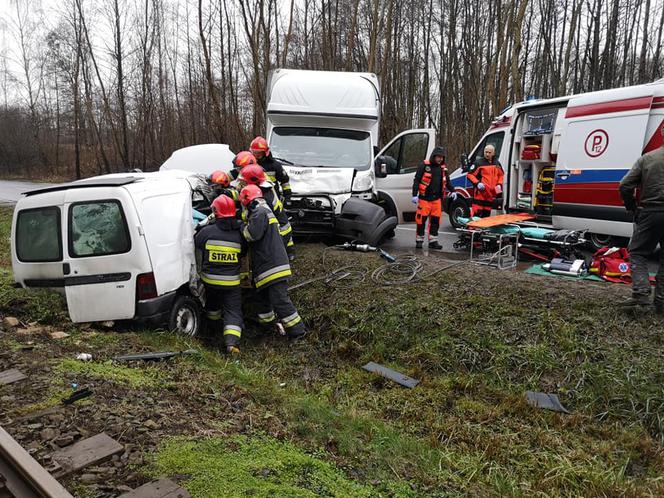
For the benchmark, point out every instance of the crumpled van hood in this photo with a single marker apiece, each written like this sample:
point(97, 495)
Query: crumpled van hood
point(305, 180)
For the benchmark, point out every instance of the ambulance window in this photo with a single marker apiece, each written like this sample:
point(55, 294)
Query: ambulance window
point(38, 235)
point(495, 139)
point(414, 151)
point(97, 229)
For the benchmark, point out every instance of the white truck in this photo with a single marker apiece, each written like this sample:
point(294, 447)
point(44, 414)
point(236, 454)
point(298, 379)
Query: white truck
point(564, 158)
point(117, 246)
point(324, 127)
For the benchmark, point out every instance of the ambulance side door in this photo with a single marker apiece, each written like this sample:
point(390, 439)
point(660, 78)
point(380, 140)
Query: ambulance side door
point(401, 157)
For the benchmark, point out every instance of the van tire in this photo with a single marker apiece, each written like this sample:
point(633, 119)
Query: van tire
point(186, 317)
point(458, 209)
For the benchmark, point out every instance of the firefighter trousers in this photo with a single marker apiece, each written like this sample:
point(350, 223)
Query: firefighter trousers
point(224, 305)
point(648, 232)
point(274, 302)
point(433, 211)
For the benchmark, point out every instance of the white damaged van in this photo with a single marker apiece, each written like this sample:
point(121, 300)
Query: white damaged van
point(118, 246)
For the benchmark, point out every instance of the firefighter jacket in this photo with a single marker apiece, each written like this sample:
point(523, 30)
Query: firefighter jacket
point(648, 175)
point(490, 174)
point(269, 260)
point(431, 180)
point(275, 173)
point(272, 199)
point(221, 246)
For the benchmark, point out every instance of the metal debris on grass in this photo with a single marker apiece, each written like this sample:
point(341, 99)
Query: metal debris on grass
point(393, 375)
point(545, 401)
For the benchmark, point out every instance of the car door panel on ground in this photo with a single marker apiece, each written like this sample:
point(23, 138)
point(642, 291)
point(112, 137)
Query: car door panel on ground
point(104, 253)
point(402, 155)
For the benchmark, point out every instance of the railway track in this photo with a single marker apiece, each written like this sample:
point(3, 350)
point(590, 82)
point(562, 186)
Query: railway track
point(21, 476)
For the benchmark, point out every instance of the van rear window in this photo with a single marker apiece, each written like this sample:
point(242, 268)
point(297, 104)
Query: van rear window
point(38, 235)
point(97, 229)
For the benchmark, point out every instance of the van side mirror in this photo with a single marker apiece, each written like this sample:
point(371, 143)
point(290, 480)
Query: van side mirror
point(380, 167)
point(465, 164)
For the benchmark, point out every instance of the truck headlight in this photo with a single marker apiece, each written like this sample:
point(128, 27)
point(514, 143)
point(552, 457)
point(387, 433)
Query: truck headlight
point(363, 182)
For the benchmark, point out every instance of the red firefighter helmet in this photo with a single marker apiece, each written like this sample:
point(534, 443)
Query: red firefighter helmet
point(253, 175)
point(244, 158)
point(223, 207)
point(220, 178)
point(249, 193)
point(259, 144)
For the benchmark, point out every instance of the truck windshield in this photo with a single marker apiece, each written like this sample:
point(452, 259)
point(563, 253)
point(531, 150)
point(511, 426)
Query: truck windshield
point(325, 147)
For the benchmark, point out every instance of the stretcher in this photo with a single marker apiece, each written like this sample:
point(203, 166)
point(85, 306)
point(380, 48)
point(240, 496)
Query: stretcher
point(500, 240)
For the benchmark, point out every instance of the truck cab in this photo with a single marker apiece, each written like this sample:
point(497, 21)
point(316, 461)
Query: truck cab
point(324, 128)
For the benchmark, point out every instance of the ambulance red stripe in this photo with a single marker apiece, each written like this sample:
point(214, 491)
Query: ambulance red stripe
point(608, 107)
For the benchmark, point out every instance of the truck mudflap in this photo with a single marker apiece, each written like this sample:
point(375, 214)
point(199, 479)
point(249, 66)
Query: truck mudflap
point(364, 221)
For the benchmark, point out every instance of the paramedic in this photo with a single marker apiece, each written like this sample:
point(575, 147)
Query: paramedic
point(429, 186)
point(647, 174)
point(269, 264)
point(219, 247)
point(487, 179)
point(273, 168)
point(254, 175)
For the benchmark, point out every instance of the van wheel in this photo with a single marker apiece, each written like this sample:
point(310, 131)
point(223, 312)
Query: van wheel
point(459, 209)
point(599, 240)
point(186, 316)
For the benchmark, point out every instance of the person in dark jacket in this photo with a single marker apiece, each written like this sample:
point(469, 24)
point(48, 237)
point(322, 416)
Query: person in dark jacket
point(429, 186)
point(647, 174)
point(219, 247)
point(254, 175)
point(273, 168)
point(269, 264)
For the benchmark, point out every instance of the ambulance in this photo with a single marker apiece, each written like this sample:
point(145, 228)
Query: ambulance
point(564, 158)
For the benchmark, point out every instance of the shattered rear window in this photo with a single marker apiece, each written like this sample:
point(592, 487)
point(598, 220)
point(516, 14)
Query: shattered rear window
point(97, 229)
point(38, 235)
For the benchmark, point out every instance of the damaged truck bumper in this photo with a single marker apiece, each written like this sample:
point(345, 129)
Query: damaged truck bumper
point(358, 219)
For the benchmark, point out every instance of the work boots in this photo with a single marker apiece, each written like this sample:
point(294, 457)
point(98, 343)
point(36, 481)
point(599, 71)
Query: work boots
point(419, 240)
point(636, 300)
point(434, 244)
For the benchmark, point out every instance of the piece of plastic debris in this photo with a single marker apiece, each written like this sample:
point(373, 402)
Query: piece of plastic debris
point(545, 401)
point(59, 335)
point(283, 384)
point(77, 395)
point(154, 356)
point(74, 386)
point(84, 356)
point(393, 375)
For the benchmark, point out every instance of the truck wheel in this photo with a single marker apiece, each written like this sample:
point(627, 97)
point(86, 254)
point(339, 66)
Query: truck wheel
point(459, 209)
point(599, 240)
point(186, 317)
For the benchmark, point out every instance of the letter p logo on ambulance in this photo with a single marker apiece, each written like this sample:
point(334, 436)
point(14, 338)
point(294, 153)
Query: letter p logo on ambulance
point(596, 143)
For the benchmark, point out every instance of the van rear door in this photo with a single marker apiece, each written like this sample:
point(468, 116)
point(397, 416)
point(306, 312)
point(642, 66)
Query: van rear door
point(37, 240)
point(105, 251)
point(604, 136)
point(402, 155)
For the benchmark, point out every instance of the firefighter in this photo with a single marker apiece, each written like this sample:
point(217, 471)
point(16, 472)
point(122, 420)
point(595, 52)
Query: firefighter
point(242, 159)
point(255, 175)
point(269, 264)
point(221, 184)
point(219, 247)
point(273, 168)
point(429, 186)
point(647, 175)
point(487, 178)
